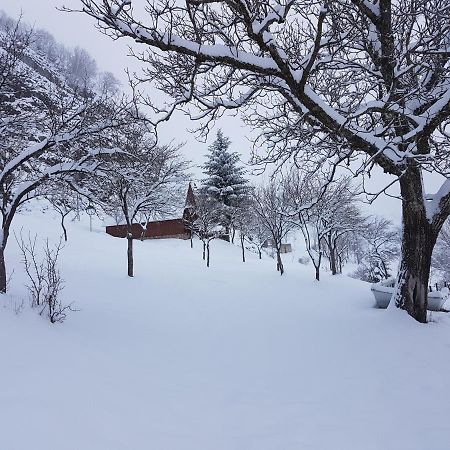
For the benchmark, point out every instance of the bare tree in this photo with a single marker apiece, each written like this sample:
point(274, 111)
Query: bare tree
point(34, 268)
point(255, 232)
point(45, 282)
point(205, 222)
point(325, 212)
point(343, 218)
point(381, 248)
point(142, 182)
point(314, 230)
point(270, 204)
point(240, 221)
point(63, 200)
point(306, 211)
point(361, 81)
point(81, 69)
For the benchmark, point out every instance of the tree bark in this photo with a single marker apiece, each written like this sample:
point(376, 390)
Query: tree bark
point(280, 267)
point(242, 247)
point(130, 263)
point(204, 250)
point(414, 274)
point(3, 278)
point(332, 253)
point(4, 234)
point(316, 263)
point(207, 254)
point(333, 265)
point(259, 253)
point(418, 240)
point(63, 216)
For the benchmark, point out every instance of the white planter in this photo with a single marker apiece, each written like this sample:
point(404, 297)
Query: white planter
point(435, 301)
point(383, 293)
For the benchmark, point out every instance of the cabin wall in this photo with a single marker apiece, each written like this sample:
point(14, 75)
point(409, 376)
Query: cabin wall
point(163, 229)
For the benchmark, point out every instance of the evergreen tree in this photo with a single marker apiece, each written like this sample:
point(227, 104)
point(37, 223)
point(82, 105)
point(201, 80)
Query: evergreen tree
point(225, 180)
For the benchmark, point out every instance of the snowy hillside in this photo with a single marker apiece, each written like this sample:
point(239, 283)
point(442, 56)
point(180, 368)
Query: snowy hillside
point(231, 358)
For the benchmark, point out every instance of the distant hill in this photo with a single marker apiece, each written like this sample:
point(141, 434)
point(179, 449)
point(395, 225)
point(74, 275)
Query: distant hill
point(73, 67)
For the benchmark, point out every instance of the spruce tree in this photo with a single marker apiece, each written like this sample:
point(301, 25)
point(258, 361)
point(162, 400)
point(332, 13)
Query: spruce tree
point(225, 180)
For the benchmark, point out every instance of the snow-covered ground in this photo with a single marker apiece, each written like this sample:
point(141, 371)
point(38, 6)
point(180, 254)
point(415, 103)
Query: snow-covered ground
point(231, 358)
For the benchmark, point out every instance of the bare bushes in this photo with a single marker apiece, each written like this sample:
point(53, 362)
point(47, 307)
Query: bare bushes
point(45, 282)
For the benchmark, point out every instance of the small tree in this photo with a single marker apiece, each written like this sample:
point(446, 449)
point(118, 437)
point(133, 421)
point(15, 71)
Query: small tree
point(45, 282)
point(205, 223)
point(63, 200)
point(306, 211)
point(342, 221)
point(34, 269)
point(381, 247)
point(269, 204)
point(255, 232)
point(325, 212)
point(241, 222)
point(144, 182)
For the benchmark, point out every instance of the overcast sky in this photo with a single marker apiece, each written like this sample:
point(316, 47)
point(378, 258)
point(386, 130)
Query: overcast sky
point(78, 30)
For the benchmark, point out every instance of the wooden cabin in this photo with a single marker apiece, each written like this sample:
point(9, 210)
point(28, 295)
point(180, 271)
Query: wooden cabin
point(160, 229)
point(284, 247)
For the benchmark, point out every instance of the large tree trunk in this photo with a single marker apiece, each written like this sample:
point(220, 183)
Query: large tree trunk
point(418, 240)
point(130, 255)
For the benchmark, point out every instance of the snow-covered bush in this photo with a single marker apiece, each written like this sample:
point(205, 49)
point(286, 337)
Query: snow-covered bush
point(371, 270)
point(380, 246)
point(45, 282)
point(303, 260)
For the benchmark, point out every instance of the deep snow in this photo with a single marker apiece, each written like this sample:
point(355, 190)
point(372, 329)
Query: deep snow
point(231, 358)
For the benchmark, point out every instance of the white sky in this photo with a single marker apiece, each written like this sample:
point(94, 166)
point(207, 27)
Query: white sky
point(78, 30)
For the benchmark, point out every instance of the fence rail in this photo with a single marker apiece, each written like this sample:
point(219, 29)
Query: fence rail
point(439, 286)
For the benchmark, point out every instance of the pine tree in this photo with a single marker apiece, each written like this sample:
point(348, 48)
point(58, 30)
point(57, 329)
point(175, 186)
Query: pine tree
point(225, 180)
